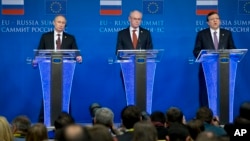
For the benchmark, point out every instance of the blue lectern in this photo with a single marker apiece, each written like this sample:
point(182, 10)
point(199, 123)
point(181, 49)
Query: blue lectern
point(138, 70)
point(220, 68)
point(56, 71)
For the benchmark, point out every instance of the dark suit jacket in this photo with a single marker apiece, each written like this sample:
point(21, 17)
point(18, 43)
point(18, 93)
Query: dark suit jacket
point(124, 40)
point(204, 41)
point(47, 41)
point(127, 136)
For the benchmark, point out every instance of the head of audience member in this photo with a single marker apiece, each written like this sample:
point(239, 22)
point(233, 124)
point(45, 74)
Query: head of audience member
point(244, 116)
point(5, 130)
point(63, 120)
point(205, 114)
point(104, 116)
point(159, 121)
point(158, 118)
point(178, 132)
point(206, 136)
point(144, 131)
point(213, 20)
point(130, 115)
point(195, 127)
point(174, 115)
point(59, 23)
point(135, 18)
point(37, 132)
point(74, 132)
point(20, 126)
point(99, 132)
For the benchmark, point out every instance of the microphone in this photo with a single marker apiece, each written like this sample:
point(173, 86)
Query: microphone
point(139, 43)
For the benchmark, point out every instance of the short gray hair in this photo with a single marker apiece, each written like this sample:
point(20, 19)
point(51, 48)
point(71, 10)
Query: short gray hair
point(104, 116)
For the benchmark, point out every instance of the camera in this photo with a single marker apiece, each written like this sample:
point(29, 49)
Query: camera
point(93, 108)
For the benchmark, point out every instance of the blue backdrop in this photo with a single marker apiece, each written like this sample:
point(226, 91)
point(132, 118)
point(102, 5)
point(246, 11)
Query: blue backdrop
point(173, 24)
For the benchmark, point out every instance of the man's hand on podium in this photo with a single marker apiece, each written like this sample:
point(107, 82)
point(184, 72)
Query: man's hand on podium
point(79, 59)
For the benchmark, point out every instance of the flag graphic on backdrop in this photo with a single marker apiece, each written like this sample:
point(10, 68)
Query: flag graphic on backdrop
point(56, 7)
point(153, 6)
point(244, 7)
point(203, 7)
point(110, 7)
point(12, 7)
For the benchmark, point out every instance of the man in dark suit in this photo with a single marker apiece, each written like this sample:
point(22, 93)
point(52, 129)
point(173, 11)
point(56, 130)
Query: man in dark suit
point(205, 40)
point(125, 36)
point(57, 40)
point(49, 40)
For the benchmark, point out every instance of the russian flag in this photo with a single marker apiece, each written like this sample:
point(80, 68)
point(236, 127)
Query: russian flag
point(110, 7)
point(12, 7)
point(203, 7)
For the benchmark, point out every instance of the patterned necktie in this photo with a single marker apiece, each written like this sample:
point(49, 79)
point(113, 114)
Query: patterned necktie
point(58, 42)
point(216, 42)
point(134, 39)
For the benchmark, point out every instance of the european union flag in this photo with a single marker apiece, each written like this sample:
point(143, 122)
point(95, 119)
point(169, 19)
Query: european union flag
point(153, 6)
point(244, 7)
point(55, 7)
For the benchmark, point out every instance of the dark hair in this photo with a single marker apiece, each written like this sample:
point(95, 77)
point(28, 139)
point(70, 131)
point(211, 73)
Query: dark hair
point(174, 114)
point(158, 116)
point(178, 132)
point(245, 110)
point(144, 131)
point(204, 114)
point(99, 132)
point(63, 120)
point(21, 123)
point(211, 13)
point(130, 115)
point(195, 127)
point(93, 107)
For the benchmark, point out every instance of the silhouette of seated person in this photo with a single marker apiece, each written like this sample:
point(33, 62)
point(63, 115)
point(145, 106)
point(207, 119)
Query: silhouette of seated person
point(159, 121)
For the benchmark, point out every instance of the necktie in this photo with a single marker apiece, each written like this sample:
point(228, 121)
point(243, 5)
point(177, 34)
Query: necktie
point(134, 39)
point(216, 42)
point(58, 42)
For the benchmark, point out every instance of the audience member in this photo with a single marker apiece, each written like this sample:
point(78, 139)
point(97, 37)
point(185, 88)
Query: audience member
point(206, 136)
point(5, 130)
point(105, 116)
point(178, 132)
point(62, 121)
point(144, 131)
point(159, 121)
point(195, 127)
point(242, 121)
point(205, 114)
point(130, 115)
point(174, 115)
point(37, 132)
point(100, 133)
point(74, 132)
point(20, 126)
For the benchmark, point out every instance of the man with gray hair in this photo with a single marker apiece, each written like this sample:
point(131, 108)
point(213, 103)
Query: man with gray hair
point(105, 116)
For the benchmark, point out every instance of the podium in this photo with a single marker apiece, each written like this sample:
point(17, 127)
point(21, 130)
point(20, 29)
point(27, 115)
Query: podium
point(56, 71)
point(138, 70)
point(220, 67)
